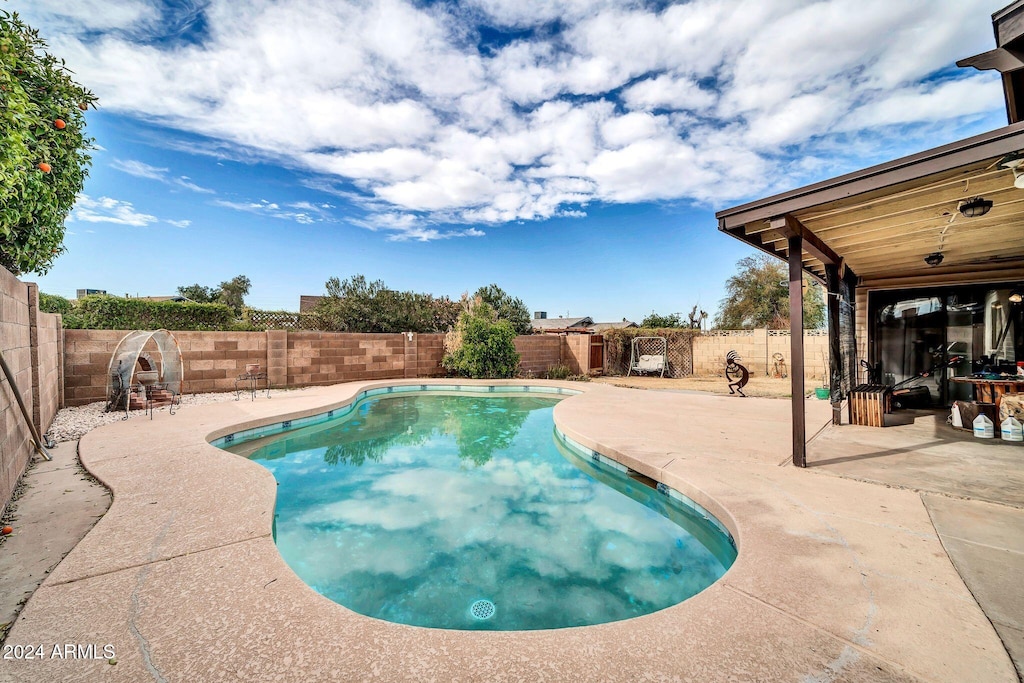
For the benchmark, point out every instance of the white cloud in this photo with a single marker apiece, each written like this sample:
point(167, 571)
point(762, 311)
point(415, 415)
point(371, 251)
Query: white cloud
point(303, 213)
point(178, 224)
point(108, 210)
point(395, 103)
point(141, 169)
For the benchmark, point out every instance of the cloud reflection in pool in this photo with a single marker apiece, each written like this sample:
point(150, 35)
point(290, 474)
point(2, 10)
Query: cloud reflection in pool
point(411, 508)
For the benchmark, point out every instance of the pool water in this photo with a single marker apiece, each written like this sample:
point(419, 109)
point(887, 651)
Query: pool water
point(469, 512)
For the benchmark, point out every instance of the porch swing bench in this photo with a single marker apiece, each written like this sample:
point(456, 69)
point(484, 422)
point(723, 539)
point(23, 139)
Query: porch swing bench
point(648, 355)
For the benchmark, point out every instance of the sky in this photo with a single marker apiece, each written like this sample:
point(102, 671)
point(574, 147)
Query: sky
point(571, 151)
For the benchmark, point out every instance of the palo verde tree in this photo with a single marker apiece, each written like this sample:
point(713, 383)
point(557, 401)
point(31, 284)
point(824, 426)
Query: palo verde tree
point(758, 296)
point(43, 148)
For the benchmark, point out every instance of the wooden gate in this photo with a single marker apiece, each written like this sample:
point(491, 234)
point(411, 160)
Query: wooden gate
point(597, 352)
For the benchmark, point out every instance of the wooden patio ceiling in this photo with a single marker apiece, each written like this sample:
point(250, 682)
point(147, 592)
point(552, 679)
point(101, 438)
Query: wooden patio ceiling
point(882, 221)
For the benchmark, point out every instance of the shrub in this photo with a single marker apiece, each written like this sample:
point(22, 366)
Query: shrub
point(100, 312)
point(52, 303)
point(481, 346)
point(558, 372)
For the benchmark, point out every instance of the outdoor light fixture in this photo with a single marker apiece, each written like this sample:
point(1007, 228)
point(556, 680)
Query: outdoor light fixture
point(975, 206)
point(1015, 162)
point(934, 259)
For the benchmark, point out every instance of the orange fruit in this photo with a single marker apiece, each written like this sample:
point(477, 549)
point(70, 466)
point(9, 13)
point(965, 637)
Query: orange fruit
point(6, 530)
point(44, 167)
point(83, 105)
point(59, 124)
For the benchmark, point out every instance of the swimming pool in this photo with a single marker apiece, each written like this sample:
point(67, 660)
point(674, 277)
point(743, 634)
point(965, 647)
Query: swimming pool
point(473, 512)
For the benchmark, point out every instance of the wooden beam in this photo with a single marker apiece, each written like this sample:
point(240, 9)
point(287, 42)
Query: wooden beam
point(1001, 59)
point(790, 227)
point(796, 350)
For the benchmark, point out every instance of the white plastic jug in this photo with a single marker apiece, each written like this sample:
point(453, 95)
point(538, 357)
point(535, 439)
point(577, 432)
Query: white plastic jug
point(1011, 429)
point(983, 428)
point(954, 416)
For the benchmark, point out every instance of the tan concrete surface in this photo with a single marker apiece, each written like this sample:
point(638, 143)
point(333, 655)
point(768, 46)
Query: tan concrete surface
point(836, 580)
point(921, 452)
point(57, 505)
point(986, 544)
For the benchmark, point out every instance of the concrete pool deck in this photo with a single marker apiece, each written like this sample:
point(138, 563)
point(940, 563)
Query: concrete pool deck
point(836, 579)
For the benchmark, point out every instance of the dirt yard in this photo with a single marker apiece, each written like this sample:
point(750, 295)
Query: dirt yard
point(758, 386)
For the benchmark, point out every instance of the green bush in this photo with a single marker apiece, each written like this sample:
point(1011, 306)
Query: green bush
point(486, 350)
point(100, 312)
point(558, 372)
point(52, 303)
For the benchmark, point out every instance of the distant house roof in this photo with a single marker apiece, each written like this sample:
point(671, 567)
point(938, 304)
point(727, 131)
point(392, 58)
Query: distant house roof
point(598, 328)
point(550, 324)
point(308, 302)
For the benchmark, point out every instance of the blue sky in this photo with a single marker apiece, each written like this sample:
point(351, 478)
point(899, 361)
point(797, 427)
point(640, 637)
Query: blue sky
point(571, 151)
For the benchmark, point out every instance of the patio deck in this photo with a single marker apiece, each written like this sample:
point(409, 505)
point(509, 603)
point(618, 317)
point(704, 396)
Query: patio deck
point(918, 450)
point(182, 577)
point(973, 490)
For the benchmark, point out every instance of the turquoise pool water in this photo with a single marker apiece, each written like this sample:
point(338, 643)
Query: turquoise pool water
point(469, 512)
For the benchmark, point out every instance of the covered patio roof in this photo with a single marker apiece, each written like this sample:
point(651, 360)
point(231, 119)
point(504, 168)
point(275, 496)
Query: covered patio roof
point(880, 222)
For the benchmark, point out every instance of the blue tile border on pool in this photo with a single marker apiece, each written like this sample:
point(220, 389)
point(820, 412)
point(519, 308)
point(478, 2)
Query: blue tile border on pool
point(664, 489)
point(287, 425)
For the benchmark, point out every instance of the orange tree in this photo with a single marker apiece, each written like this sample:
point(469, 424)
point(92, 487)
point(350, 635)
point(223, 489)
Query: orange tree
point(43, 149)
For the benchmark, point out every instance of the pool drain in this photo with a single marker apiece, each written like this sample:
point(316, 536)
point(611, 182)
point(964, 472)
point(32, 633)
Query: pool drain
point(482, 609)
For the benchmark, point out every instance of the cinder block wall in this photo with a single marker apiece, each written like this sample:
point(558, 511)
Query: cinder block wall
point(538, 352)
point(48, 381)
point(30, 344)
point(756, 348)
point(15, 441)
point(213, 360)
point(332, 357)
point(576, 353)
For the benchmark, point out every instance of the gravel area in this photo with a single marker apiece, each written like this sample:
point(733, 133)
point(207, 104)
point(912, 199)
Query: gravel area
point(70, 424)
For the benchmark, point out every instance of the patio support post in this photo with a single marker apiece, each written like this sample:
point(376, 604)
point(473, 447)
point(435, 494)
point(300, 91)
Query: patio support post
point(835, 361)
point(796, 337)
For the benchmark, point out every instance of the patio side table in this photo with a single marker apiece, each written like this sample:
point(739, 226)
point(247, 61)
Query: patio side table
point(250, 382)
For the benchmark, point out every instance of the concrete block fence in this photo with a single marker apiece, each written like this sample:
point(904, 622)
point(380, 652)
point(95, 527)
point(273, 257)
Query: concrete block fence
point(756, 348)
point(213, 360)
point(30, 342)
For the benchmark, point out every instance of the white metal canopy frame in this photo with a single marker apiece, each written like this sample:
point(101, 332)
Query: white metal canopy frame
point(648, 354)
point(126, 357)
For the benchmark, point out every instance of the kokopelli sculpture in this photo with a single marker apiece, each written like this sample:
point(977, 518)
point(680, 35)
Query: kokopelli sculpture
point(737, 375)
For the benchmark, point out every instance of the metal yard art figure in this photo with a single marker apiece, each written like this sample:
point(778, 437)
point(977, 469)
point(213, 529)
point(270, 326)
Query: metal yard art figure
point(737, 375)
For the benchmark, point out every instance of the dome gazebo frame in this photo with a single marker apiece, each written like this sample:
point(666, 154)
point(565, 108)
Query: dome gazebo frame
point(130, 355)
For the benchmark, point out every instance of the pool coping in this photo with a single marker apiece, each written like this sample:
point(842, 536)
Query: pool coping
point(136, 576)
